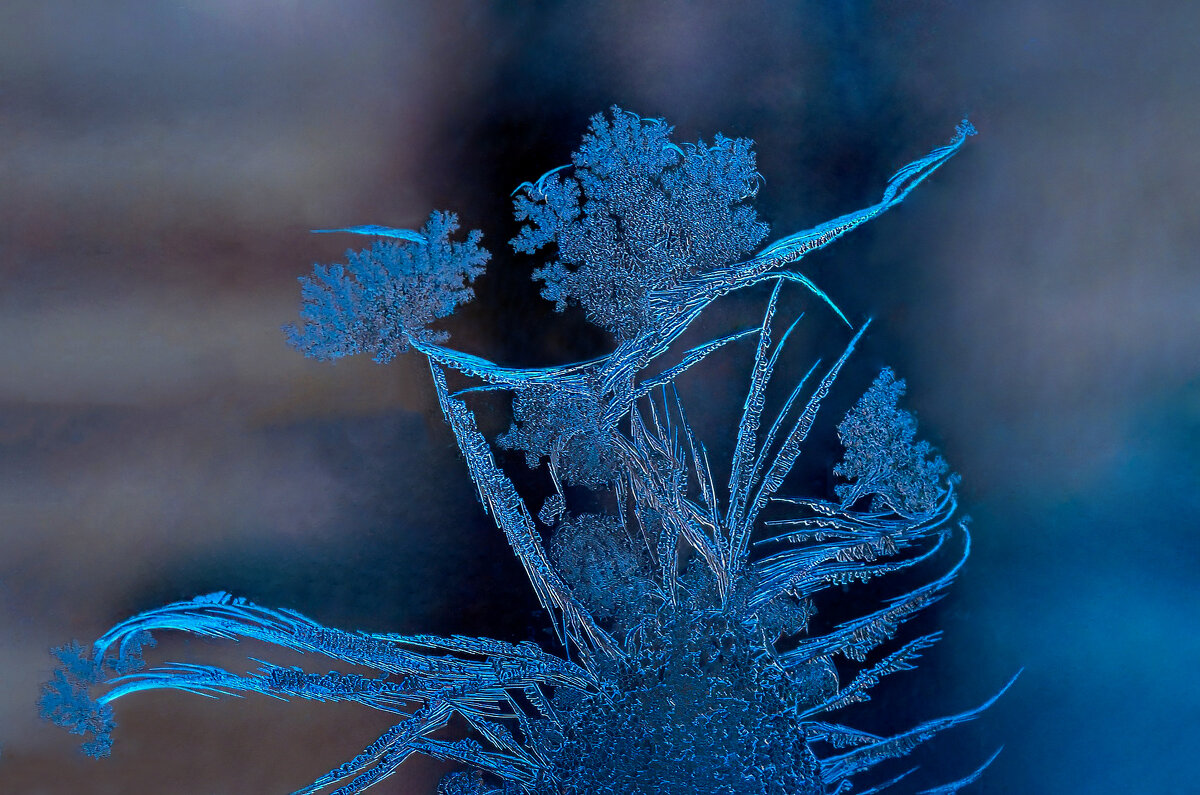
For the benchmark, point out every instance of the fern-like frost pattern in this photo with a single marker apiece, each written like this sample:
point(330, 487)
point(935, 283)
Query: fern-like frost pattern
point(637, 212)
point(386, 295)
point(686, 659)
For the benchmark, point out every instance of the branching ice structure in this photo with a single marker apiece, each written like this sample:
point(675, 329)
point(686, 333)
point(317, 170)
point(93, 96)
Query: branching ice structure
point(688, 664)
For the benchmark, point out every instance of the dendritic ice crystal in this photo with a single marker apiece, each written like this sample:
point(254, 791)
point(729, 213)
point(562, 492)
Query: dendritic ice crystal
point(681, 593)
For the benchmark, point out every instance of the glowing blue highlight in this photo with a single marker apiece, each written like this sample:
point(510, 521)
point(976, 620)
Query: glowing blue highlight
point(685, 658)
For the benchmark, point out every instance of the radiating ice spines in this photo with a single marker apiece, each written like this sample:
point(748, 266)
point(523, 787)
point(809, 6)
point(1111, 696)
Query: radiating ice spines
point(686, 660)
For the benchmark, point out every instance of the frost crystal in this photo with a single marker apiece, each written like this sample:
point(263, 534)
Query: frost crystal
point(386, 295)
point(637, 213)
point(686, 660)
point(883, 458)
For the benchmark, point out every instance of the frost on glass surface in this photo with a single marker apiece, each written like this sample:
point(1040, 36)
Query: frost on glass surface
point(682, 594)
point(636, 213)
point(385, 295)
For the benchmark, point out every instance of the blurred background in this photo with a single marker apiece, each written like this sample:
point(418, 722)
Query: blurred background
point(160, 167)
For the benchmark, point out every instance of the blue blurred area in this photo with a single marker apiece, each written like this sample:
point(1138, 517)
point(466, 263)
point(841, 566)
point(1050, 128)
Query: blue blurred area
point(158, 439)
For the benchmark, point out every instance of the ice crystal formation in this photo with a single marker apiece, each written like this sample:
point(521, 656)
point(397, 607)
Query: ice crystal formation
point(681, 594)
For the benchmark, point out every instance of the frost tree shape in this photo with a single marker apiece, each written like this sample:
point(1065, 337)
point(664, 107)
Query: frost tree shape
point(638, 213)
point(883, 458)
point(387, 294)
point(686, 658)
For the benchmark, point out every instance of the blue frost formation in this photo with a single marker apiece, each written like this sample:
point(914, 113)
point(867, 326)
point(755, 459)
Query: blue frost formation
point(637, 213)
point(687, 659)
point(388, 293)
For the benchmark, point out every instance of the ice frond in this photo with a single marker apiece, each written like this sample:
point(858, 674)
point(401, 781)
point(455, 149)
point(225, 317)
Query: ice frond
point(784, 459)
point(426, 680)
point(971, 778)
point(374, 230)
point(508, 510)
point(683, 604)
point(851, 763)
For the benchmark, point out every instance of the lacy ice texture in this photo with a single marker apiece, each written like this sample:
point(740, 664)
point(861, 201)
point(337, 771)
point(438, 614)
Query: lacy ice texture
point(686, 660)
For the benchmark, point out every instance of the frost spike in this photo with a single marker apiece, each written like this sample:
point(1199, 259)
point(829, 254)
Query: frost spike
point(971, 778)
point(747, 432)
point(790, 450)
point(508, 510)
point(860, 759)
point(374, 230)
